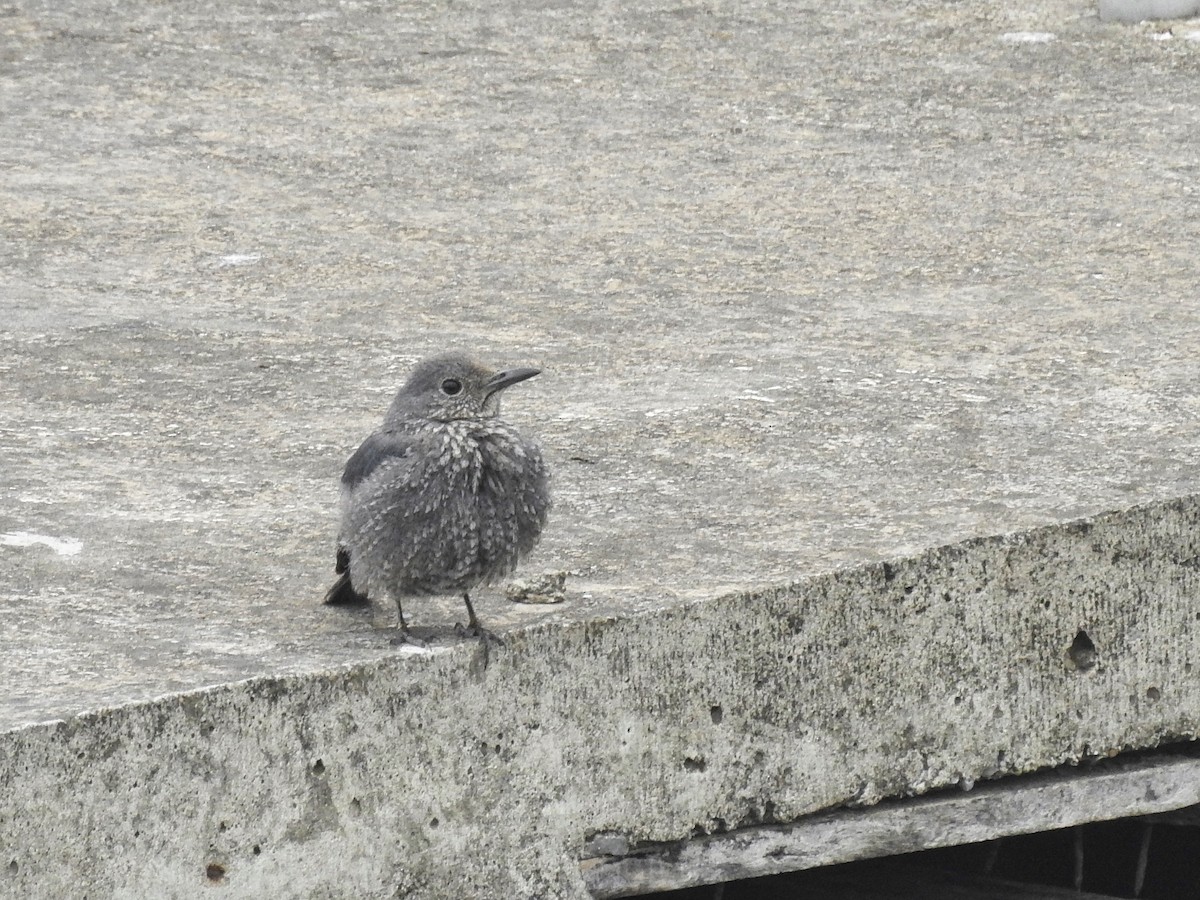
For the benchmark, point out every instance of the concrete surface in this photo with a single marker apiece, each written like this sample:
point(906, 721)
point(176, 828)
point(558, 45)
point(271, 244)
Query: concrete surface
point(814, 288)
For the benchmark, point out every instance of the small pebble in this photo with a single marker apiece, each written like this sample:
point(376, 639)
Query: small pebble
point(549, 587)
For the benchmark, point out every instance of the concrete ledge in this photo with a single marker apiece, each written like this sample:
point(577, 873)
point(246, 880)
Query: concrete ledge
point(459, 775)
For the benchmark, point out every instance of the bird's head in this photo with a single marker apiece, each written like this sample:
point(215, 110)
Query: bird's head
point(453, 386)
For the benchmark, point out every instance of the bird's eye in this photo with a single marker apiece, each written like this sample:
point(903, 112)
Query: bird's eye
point(451, 386)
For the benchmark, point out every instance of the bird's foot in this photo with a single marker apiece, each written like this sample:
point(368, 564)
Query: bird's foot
point(406, 637)
point(475, 630)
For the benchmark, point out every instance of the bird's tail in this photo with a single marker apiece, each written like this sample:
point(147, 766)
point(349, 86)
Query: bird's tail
point(343, 591)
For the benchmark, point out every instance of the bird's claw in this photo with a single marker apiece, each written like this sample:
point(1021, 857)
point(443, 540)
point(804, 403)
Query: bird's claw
point(406, 637)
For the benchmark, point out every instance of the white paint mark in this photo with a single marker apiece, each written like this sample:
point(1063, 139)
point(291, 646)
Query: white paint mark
point(240, 259)
point(414, 650)
point(1191, 35)
point(1028, 37)
point(61, 546)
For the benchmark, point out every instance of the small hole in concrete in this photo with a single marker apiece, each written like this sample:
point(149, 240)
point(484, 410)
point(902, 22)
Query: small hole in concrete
point(214, 872)
point(1082, 652)
point(256, 850)
point(356, 806)
point(13, 867)
point(1153, 694)
point(318, 767)
point(717, 714)
point(222, 828)
point(696, 764)
point(434, 823)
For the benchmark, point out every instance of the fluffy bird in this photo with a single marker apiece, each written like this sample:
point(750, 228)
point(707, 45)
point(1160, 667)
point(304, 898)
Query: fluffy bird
point(444, 496)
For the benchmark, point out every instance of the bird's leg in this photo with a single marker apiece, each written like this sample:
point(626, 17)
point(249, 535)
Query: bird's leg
point(405, 637)
point(472, 619)
point(474, 629)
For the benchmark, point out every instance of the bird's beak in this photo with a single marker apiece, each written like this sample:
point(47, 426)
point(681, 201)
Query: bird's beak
point(501, 380)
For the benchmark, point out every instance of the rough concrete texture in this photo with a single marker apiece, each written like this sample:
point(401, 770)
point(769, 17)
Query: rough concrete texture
point(814, 288)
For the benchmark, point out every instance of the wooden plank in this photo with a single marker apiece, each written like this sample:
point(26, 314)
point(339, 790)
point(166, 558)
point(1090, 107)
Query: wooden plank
point(1018, 805)
point(1188, 817)
point(904, 882)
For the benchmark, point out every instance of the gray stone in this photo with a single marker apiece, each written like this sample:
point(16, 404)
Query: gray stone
point(547, 587)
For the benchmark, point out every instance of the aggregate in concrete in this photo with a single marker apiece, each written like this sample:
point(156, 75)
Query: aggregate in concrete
point(814, 288)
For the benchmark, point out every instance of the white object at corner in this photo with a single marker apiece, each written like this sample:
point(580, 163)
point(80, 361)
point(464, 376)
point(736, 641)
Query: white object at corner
point(1137, 10)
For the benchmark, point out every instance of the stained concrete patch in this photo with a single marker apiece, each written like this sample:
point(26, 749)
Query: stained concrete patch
point(813, 290)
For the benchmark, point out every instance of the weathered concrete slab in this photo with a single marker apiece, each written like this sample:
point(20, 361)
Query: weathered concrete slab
point(814, 289)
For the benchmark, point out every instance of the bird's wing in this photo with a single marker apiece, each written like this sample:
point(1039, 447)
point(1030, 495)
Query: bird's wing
point(378, 448)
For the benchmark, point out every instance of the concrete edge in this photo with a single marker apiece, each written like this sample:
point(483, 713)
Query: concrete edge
point(956, 665)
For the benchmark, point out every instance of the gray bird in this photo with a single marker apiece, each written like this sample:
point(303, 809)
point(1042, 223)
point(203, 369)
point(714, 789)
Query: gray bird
point(444, 496)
